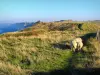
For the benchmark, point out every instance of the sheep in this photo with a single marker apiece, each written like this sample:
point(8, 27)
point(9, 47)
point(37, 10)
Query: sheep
point(76, 44)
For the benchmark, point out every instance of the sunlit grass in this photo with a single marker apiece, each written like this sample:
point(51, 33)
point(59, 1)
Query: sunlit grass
point(41, 50)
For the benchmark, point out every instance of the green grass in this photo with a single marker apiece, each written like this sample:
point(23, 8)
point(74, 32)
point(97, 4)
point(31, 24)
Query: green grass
point(33, 49)
point(32, 53)
point(90, 27)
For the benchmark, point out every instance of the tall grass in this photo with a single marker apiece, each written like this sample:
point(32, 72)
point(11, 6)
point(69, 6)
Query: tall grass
point(39, 49)
point(31, 54)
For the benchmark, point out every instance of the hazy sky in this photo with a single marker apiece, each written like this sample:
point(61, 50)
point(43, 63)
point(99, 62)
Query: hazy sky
point(47, 10)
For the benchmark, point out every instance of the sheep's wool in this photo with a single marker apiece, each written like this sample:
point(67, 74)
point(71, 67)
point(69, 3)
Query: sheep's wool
point(76, 43)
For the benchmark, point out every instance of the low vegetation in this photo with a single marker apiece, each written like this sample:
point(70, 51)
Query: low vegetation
point(43, 49)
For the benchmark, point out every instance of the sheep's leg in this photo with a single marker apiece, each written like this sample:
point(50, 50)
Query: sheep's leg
point(74, 46)
point(81, 45)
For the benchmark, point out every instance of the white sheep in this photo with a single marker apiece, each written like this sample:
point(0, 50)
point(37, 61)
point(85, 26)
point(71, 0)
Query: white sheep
point(76, 44)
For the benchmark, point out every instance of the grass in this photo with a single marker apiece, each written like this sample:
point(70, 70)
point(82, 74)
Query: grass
point(41, 49)
point(33, 54)
point(90, 27)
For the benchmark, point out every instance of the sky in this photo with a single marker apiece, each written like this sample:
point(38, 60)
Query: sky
point(48, 10)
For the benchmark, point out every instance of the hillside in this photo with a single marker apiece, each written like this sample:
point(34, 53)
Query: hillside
point(43, 49)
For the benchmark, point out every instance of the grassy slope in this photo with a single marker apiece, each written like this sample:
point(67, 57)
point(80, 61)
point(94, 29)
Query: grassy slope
point(42, 48)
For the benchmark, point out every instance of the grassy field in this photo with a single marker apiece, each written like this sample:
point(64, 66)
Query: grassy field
point(44, 50)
